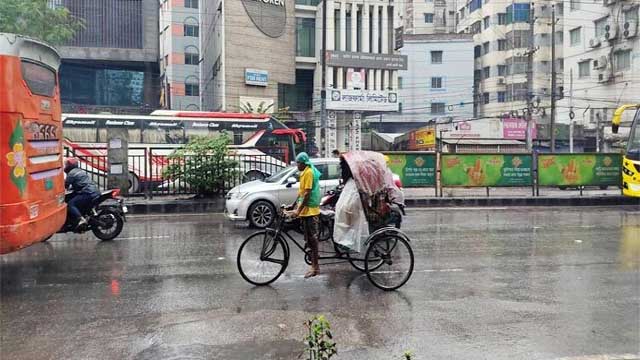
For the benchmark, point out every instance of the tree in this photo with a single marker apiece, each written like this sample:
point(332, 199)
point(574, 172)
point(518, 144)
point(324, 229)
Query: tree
point(203, 164)
point(39, 20)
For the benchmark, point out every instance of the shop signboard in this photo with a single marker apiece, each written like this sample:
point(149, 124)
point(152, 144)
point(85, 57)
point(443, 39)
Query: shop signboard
point(362, 100)
point(579, 169)
point(486, 170)
point(414, 169)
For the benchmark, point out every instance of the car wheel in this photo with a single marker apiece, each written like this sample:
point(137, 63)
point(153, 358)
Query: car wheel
point(262, 214)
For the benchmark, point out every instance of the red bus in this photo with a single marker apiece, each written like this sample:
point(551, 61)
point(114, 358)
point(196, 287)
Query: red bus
point(32, 204)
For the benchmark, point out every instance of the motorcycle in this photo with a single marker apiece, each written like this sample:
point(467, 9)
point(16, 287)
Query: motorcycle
point(106, 216)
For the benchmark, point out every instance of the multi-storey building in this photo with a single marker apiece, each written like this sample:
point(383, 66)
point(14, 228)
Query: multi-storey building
point(428, 16)
point(601, 51)
point(111, 64)
point(180, 54)
point(504, 33)
point(437, 86)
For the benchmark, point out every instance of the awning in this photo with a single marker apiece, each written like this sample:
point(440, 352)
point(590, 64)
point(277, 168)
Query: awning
point(483, 142)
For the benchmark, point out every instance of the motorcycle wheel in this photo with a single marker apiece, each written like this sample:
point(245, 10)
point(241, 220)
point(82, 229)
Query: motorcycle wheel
point(107, 225)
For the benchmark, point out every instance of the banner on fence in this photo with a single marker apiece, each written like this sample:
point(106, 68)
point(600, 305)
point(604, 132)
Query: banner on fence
point(415, 170)
point(579, 169)
point(490, 170)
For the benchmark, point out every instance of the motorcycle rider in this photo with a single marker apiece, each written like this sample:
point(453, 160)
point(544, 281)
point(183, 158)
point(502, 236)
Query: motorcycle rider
point(84, 189)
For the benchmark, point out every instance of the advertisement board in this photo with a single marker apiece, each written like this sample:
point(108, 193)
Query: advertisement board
point(516, 129)
point(579, 169)
point(486, 170)
point(422, 139)
point(362, 100)
point(358, 60)
point(414, 169)
point(256, 77)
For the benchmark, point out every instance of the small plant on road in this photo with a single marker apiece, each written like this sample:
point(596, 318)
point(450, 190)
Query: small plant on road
point(203, 164)
point(319, 343)
point(407, 355)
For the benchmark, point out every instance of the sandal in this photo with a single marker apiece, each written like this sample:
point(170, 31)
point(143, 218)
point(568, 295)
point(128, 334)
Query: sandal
point(311, 273)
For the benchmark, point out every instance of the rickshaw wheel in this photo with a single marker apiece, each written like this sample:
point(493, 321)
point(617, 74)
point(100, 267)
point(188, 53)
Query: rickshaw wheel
point(262, 258)
point(359, 264)
point(396, 264)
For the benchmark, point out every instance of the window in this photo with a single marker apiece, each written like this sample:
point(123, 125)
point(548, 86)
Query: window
point(428, 18)
point(305, 37)
point(518, 39)
point(476, 27)
point(486, 72)
point(437, 108)
point(502, 19)
point(623, 60)
point(517, 65)
point(399, 82)
point(191, 56)
point(502, 70)
point(477, 51)
point(574, 4)
point(486, 22)
point(474, 5)
point(575, 35)
point(584, 68)
point(40, 79)
point(192, 90)
point(502, 45)
point(559, 37)
point(485, 48)
point(485, 98)
point(502, 96)
point(436, 83)
point(600, 25)
point(193, 4)
point(517, 92)
point(436, 57)
point(191, 30)
point(631, 15)
point(518, 13)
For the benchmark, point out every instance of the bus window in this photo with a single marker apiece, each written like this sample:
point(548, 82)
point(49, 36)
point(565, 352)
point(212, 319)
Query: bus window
point(163, 136)
point(80, 135)
point(40, 79)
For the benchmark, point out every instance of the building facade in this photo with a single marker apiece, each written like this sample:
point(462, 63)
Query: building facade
point(180, 54)
point(601, 52)
point(249, 53)
point(428, 16)
point(437, 86)
point(111, 65)
point(504, 34)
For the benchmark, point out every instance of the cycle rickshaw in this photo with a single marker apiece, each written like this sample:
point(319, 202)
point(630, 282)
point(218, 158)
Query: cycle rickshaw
point(386, 256)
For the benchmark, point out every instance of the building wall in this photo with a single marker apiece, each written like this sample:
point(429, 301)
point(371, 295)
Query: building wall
point(591, 97)
point(115, 30)
point(415, 21)
point(502, 93)
point(456, 72)
point(175, 74)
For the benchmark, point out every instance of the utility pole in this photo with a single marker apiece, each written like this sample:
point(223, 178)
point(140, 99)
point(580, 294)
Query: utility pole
point(529, 54)
point(571, 114)
point(323, 90)
point(553, 78)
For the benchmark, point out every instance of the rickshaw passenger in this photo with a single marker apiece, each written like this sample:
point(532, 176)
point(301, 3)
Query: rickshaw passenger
point(308, 208)
point(350, 222)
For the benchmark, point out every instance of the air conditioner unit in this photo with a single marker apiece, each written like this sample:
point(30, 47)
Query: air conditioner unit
point(600, 63)
point(604, 76)
point(594, 43)
point(500, 81)
point(611, 31)
point(630, 29)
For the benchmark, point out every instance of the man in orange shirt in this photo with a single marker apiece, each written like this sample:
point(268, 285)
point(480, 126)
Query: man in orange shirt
point(308, 208)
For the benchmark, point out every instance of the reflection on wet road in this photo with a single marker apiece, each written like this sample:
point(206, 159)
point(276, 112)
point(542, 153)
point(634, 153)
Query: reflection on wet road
point(526, 283)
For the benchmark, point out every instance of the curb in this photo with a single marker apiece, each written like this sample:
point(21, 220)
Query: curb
point(217, 205)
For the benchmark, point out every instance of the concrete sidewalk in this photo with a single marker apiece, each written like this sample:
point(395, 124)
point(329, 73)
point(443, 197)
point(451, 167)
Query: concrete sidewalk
point(416, 197)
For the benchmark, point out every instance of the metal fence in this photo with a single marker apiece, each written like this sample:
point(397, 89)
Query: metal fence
point(153, 172)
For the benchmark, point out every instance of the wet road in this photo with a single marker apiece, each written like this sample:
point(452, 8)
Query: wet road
point(524, 283)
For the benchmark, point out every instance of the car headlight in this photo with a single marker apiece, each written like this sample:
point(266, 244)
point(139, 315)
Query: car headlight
point(237, 195)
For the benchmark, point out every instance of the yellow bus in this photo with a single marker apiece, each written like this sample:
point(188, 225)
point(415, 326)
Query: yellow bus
point(631, 158)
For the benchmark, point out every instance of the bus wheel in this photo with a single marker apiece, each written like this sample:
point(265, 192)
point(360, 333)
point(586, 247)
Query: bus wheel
point(134, 183)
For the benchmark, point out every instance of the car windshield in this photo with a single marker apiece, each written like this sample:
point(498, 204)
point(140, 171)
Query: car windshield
point(280, 175)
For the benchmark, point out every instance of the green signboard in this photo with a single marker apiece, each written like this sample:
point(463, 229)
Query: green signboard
point(415, 170)
point(487, 170)
point(579, 169)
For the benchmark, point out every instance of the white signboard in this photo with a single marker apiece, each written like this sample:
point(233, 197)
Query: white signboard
point(331, 133)
point(473, 129)
point(355, 142)
point(362, 100)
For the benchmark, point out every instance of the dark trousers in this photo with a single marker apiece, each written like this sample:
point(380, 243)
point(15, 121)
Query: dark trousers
point(77, 205)
point(311, 232)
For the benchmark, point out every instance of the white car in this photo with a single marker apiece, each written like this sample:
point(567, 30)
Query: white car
point(258, 201)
